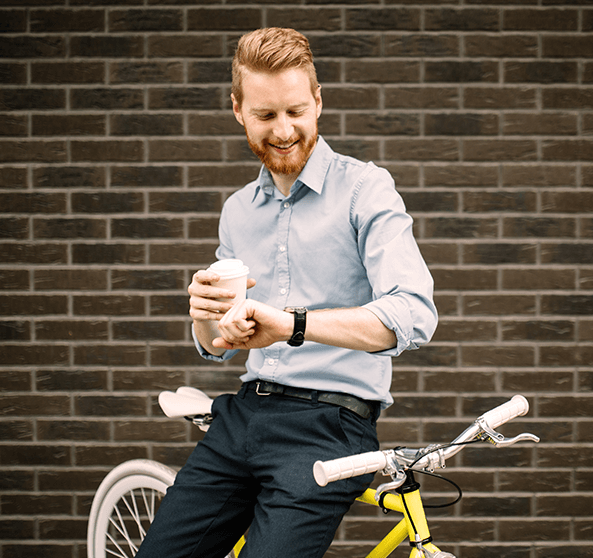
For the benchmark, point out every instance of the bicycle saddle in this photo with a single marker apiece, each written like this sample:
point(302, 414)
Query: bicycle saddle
point(185, 402)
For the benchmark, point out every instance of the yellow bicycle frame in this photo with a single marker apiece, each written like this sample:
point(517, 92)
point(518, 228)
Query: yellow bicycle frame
point(400, 532)
point(405, 528)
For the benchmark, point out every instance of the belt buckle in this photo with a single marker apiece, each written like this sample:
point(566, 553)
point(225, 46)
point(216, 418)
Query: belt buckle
point(257, 384)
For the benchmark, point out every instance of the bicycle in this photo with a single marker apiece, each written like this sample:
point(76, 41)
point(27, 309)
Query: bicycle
point(127, 499)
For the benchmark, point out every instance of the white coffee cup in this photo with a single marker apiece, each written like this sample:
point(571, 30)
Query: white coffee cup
point(233, 277)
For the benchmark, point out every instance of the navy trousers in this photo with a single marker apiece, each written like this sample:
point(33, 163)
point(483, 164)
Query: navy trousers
point(254, 470)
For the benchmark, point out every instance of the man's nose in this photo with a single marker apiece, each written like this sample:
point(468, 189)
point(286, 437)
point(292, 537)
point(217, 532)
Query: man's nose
point(283, 128)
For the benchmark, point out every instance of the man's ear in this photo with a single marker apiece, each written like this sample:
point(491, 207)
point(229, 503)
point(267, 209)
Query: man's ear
point(237, 111)
point(318, 101)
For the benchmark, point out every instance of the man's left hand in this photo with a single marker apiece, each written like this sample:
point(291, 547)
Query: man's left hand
point(253, 325)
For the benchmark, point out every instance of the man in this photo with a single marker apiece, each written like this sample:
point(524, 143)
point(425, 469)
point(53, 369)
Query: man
point(329, 235)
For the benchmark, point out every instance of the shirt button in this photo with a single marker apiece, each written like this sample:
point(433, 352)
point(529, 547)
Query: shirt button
point(282, 248)
point(282, 291)
point(271, 361)
point(286, 205)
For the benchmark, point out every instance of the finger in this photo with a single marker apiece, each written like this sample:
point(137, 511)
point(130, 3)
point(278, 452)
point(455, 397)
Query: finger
point(251, 283)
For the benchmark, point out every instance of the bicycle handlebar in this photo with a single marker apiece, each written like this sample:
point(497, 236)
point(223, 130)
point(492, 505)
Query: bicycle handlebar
point(371, 462)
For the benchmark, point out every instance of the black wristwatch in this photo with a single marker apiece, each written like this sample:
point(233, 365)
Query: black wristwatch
point(300, 322)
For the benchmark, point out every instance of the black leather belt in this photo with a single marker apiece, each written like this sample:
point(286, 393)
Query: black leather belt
point(364, 409)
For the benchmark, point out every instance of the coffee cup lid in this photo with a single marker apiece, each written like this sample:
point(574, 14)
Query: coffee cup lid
point(229, 269)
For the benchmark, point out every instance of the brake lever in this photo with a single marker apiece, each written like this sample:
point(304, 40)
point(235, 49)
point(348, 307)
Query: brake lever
point(499, 440)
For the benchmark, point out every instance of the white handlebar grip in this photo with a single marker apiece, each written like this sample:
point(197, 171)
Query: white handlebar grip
point(515, 407)
point(346, 467)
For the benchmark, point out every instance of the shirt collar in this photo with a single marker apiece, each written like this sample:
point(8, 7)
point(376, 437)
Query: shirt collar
point(312, 176)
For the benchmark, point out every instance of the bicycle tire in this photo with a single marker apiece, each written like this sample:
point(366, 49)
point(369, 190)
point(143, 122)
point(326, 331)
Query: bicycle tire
point(124, 506)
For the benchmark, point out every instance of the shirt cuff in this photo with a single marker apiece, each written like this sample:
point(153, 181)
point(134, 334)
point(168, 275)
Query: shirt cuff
point(403, 334)
point(206, 355)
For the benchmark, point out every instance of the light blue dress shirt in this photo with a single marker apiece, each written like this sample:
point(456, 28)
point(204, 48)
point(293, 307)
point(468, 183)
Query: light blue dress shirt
point(341, 239)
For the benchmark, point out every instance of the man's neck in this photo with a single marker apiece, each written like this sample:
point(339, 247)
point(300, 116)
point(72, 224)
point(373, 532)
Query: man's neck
point(284, 182)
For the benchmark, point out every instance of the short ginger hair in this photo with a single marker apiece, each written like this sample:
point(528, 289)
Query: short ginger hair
point(271, 50)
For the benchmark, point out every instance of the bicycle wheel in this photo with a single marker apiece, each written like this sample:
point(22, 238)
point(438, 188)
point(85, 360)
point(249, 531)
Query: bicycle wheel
point(124, 507)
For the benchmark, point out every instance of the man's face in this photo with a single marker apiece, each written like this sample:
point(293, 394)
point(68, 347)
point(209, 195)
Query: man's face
point(279, 113)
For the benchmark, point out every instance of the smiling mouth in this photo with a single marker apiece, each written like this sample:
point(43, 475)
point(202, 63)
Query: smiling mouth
point(284, 148)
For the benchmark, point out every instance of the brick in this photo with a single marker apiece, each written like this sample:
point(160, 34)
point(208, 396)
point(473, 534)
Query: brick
point(32, 151)
point(76, 430)
point(497, 150)
point(221, 175)
point(185, 150)
point(108, 253)
point(195, 98)
point(147, 380)
point(457, 72)
point(501, 98)
point(540, 124)
point(567, 253)
point(147, 228)
point(322, 19)
point(13, 125)
point(70, 280)
point(13, 21)
point(107, 151)
point(34, 203)
point(517, 227)
point(499, 253)
point(146, 176)
point(154, 330)
point(571, 304)
point(465, 279)
point(351, 46)
point(538, 175)
point(417, 202)
point(482, 202)
point(202, 45)
point(568, 150)
point(109, 355)
point(422, 150)
point(107, 455)
point(66, 21)
point(548, 19)
point(175, 355)
point(559, 46)
point(107, 99)
point(453, 330)
point(32, 47)
point(456, 227)
point(182, 254)
point(110, 305)
point(68, 125)
point(540, 72)
point(124, 72)
point(146, 125)
point(501, 305)
point(501, 46)
point(35, 253)
point(382, 124)
point(551, 381)
point(420, 97)
point(460, 124)
point(422, 45)
point(538, 331)
point(71, 380)
point(13, 177)
point(34, 355)
point(467, 19)
point(69, 177)
point(181, 201)
point(567, 98)
point(107, 202)
point(67, 72)
point(145, 20)
point(13, 73)
point(382, 19)
point(460, 175)
point(220, 19)
point(15, 331)
point(567, 202)
point(138, 430)
point(14, 228)
point(168, 305)
point(107, 46)
point(147, 280)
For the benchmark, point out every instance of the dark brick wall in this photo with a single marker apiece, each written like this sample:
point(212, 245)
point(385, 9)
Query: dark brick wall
point(117, 150)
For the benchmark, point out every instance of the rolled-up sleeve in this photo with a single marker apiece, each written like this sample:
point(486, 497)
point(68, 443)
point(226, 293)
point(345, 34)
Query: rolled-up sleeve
point(401, 282)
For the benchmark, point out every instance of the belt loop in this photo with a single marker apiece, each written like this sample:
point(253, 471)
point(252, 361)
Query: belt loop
point(243, 391)
point(315, 397)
